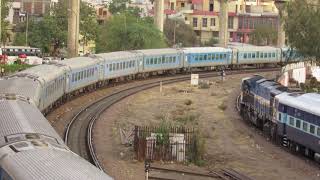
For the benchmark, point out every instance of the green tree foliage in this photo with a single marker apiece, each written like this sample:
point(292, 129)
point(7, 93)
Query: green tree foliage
point(302, 26)
point(183, 33)
point(4, 23)
point(127, 32)
point(121, 6)
point(88, 23)
point(50, 33)
point(264, 35)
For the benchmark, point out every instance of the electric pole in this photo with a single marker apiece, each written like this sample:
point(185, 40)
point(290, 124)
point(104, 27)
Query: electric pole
point(223, 23)
point(158, 14)
point(73, 27)
point(0, 23)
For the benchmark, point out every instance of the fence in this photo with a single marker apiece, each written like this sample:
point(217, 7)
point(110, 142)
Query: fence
point(167, 144)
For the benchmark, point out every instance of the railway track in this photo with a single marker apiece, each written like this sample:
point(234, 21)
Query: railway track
point(78, 134)
point(161, 173)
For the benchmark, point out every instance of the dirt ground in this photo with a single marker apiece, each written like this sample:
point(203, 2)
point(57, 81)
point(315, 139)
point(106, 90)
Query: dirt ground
point(230, 143)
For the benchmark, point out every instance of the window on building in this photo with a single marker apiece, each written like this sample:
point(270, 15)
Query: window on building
point(312, 129)
point(204, 22)
point(172, 6)
point(318, 131)
point(305, 126)
point(291, 121)
point(279, 117)
point(182, 4)
point(195, 22)
point(298, 123)
point(230, 22)
point(212, 21)
point(211, 6)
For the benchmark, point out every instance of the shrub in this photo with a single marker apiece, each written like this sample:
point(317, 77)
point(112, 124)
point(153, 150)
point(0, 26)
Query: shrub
point(188, 102)
point(223, 106)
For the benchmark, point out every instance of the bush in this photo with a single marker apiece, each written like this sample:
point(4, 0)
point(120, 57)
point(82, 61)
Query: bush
point(189, 117)
point(188, 102)
point(198, 150)
point(204, 86)
point(223, 106)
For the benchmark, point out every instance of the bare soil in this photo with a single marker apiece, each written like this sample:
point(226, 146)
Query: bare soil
point(230, 142)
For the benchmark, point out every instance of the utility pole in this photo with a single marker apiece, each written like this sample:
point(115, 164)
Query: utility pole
point(73, 27)
point(223, 23)
point(0, 24)
point(27, 27)
point(158, 14)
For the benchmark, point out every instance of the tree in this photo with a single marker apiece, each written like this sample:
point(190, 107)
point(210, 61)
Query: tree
point(125, 32)
point(4, 23)
point(50, 33)
point(302, 26)
point(121, 6)
point(179, 32)
point(264, 35)
point(88, 23)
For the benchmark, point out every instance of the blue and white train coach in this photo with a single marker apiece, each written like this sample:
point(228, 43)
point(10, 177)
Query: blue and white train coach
point(301, 115)
point(207, 57)
point(160, 60)
point(256, 55)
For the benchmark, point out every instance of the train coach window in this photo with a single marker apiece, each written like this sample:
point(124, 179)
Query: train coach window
point(114, 67)
point(249, 55)
point(110, 67)
point(269, 55)
point(258, 54)
point(174, 59)
point(205, 57)
point(298, 124)
point(123, 65)
point(312, 129)
point(261, 55)
point(318, 131)
point(273, 55)
point(224, 56)
point(245, 55)
point(217, 56)
point(265, 55)
point(253, 55)
point(291, 121)
point(305, 126)
point(209, 56)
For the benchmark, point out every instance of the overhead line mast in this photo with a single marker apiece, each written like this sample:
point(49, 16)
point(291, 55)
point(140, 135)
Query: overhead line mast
point(73, 27)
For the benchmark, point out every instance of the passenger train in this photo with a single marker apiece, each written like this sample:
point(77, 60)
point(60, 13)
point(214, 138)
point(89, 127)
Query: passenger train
point(288, 117)
point(31, 149)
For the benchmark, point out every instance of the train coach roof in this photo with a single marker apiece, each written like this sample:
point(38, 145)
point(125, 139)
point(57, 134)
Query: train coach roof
point(45, 72)
point(118, 55)
point(50, 164)
point(18, 116)
point(80, 62)
point(205, 49)
point(158, 51)
point(309, 102)
point(254, 48)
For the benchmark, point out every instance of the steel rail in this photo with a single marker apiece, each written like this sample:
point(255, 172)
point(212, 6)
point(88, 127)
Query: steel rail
point(87, 116)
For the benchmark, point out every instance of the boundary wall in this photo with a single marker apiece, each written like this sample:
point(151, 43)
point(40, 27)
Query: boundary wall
point(298, 72)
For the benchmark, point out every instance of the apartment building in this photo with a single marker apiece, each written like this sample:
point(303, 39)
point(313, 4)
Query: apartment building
point(243, 16)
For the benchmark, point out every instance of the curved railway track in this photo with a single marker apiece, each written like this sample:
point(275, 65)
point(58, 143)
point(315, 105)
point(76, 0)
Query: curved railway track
point(78, 134)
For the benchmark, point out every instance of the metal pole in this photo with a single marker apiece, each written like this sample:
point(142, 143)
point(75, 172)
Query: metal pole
point(174, 32)
point(27, 28)
point(0, 23)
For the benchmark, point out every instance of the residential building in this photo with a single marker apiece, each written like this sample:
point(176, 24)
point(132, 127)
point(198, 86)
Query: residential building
point(243, 16)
